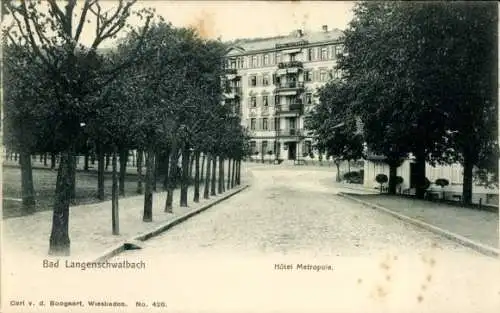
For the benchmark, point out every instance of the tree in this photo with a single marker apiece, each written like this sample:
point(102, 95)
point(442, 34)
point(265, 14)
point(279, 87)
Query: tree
point(53, 35)
point(333, 125)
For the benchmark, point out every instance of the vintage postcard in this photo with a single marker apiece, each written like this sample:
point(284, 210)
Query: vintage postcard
point(249, 156)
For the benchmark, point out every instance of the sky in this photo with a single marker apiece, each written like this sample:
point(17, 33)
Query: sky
point(247, 19)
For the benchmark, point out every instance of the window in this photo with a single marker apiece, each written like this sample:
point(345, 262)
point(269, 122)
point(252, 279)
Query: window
point(253, 101)
point(278, 57)
point(292, 57)
point(266, 59)
point(252, 124)
point(264, 146)
point(276, 100)
point(322, 76)
point(307, 147)
point(310, 54)
point(253, 147)
point(324, 53)
point(254, 61)
point(264, 101)
point(253, 81)
point(338, 50)
point(264, 124)
point(265, 80)
point(307, 76)
point(308, 98)
point(276, 123)
point(233, 63)
point(332, 52)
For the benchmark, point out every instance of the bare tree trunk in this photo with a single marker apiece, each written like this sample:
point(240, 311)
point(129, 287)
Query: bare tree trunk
point(207, 178)
point(148, 190)
point(174, 156)
point(214, 175)
point(392, 178)
point(191, 166)
point(155, 170)
point(202, 166)
point(238, 178)
point(196, 197)
point(468, 166)
point(45, 159)
point(28, 191)
point(140, 158)
point(59, 243)
point(420, 173)
point(185, 177)
point(86, 162)
point(233, 174)
point(229, 175)
point(166, 164)
point(123, 170)
point(52, 160)
point(100, 172)
point(115, 221)
point(73, 184)
point(107, 161)
point(220, 181)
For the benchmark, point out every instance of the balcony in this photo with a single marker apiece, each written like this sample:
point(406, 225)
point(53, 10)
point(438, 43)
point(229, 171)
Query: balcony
point(295, 108)
point(289, 88)
point(290, 64)
point(290, 132)
point(291, 67)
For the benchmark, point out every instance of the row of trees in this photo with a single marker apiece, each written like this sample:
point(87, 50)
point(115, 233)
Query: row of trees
point(158, 92)
point(422, 79)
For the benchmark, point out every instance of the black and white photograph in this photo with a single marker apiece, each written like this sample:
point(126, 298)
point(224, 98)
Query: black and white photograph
point(249, 156)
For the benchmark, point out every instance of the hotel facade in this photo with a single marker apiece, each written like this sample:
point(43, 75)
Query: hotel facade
point(272, 84)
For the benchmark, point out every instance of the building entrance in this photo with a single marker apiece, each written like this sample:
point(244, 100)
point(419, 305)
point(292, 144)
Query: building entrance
point(292, 150)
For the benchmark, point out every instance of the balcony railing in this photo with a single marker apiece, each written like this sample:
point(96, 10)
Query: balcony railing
point(290, 64)
point(290, 108)
point(290, 132)
point(290, 85)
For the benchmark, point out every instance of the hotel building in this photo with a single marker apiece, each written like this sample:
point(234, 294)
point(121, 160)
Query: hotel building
point(272, 84)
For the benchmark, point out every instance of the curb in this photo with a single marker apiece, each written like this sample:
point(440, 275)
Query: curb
point(479, 247)
point(135, 241)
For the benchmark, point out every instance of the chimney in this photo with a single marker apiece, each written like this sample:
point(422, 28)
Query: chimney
point(299, 33)
point(325, 28)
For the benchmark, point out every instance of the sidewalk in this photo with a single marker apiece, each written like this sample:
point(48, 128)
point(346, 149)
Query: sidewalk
point(475, 225)
point(90, 225)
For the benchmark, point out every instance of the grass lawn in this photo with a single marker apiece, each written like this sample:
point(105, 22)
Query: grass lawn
point(44, 183)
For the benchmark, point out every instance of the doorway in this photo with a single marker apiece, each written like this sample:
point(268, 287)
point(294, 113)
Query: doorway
point(292, 150)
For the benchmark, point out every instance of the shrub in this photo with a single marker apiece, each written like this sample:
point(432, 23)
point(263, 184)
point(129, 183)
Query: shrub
point(381, 179)
point(305, 154)
point(442, 182)
point(399, 180)
point(270, 152)
point(353, 177)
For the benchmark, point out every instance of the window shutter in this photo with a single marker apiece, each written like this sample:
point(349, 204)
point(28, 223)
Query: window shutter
point(271, 123)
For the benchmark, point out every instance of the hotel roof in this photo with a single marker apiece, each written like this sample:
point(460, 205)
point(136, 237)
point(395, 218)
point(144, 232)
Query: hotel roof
point(271, 42)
